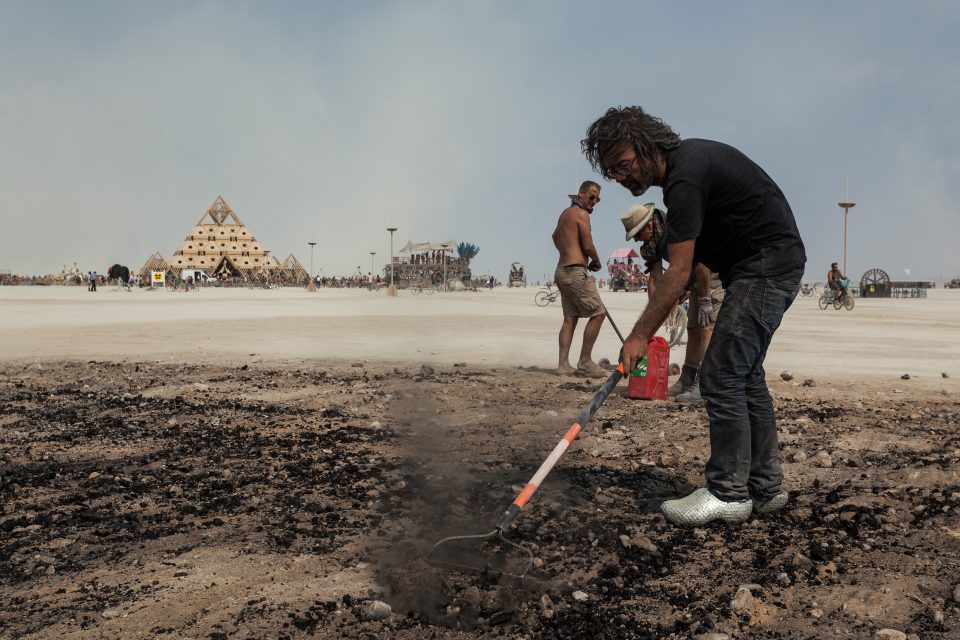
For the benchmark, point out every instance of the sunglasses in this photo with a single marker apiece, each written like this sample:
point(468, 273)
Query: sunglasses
point(592, 199)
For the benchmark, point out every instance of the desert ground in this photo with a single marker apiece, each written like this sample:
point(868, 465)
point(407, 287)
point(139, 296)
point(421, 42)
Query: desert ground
point(237, 463)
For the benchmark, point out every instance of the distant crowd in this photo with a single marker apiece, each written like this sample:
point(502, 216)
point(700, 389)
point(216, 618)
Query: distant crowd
point(429, 257)
point(93, 279)
point(16, 279)
point(356, 281)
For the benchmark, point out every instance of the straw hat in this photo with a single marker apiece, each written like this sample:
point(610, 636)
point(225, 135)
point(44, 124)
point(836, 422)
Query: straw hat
point(636, 218)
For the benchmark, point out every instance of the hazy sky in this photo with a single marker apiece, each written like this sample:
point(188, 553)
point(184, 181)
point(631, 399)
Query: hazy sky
point(120, 122)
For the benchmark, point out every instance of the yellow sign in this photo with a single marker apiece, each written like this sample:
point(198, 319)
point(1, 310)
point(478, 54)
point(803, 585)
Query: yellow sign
point(158, 277)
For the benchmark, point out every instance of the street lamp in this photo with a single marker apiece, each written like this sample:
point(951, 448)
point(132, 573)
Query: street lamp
point(444, 258)
point(846, 205)
point(392, 289)
point(313, 283)
point(372, 253)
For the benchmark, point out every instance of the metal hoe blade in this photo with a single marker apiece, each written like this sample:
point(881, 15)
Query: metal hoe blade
point(486, 568)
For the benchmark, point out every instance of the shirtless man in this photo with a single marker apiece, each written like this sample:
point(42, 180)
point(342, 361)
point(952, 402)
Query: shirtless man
point(834, 276)
point(578, 289)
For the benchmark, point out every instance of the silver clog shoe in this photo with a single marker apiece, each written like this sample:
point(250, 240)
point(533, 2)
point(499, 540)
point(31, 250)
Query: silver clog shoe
point(701, 507)
point(771, 505)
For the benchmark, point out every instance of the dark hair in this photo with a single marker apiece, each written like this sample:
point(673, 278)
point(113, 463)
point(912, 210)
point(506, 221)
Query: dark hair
point(586, 184)
point(627, 127)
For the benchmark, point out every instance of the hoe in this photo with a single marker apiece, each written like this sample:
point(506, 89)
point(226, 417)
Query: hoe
point(445, 553)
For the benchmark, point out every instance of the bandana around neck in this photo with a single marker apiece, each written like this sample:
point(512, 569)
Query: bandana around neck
point(577, 203)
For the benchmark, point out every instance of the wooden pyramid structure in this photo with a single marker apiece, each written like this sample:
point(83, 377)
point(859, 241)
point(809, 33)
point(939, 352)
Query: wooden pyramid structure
point(66, 273)
point(221, 243)
point(154, 263)
point(293, 270)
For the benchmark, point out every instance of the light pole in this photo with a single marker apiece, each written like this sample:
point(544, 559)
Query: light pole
point(846, 205)
point(392, 289)
point(372, 253)
point(313, 283)
point(444, 258)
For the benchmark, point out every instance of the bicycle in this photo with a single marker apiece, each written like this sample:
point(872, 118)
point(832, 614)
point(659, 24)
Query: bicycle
point(843, 300)
point(808, 289)
point(422, 289)
point(676, 324)
point(546, 295)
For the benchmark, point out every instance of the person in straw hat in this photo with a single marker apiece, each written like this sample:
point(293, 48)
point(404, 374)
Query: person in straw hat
point(578, 289)
point(646, 224)
point(728, 214)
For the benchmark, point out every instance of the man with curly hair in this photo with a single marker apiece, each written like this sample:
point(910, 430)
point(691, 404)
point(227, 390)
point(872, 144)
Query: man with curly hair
point(729, 215)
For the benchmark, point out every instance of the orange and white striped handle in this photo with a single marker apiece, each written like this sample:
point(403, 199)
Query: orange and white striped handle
point(585, 415)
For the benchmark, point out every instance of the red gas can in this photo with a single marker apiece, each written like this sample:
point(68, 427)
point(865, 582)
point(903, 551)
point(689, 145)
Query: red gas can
point(649, 380)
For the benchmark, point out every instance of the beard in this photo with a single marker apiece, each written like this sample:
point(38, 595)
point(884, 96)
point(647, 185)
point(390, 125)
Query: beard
point(648, 175)
point(636, 187)
point(641, 188)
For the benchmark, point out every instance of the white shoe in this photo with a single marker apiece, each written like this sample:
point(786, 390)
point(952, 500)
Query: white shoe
point(701, 507)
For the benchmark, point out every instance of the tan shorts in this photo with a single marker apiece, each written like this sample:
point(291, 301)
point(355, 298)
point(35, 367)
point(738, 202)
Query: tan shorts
point(578, 292)
point(716, 295)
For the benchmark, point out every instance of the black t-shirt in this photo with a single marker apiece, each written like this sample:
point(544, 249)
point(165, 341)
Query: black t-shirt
point(741, 220)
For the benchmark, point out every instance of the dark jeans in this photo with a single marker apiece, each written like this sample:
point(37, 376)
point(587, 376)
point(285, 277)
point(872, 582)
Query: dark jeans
point(744, 455)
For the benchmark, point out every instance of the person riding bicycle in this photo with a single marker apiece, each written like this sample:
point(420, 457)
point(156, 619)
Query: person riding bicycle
point(835, 280)
point(647, 224)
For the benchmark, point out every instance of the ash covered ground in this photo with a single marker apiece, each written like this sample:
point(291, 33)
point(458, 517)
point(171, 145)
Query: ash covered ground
point(164, 501)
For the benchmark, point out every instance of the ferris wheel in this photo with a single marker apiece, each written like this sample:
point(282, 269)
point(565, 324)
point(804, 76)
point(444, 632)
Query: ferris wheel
point(875, 282)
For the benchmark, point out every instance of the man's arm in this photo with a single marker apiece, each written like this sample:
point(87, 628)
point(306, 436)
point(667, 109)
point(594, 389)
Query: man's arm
point(671, 285)
point(704, 294)
point(586, 241)
point(704, 287)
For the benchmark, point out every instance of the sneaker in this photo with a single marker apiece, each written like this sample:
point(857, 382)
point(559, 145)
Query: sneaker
point(701, 507)
point(678, 387)
point(688, 379)
point(691, 395)
point(771, 505)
